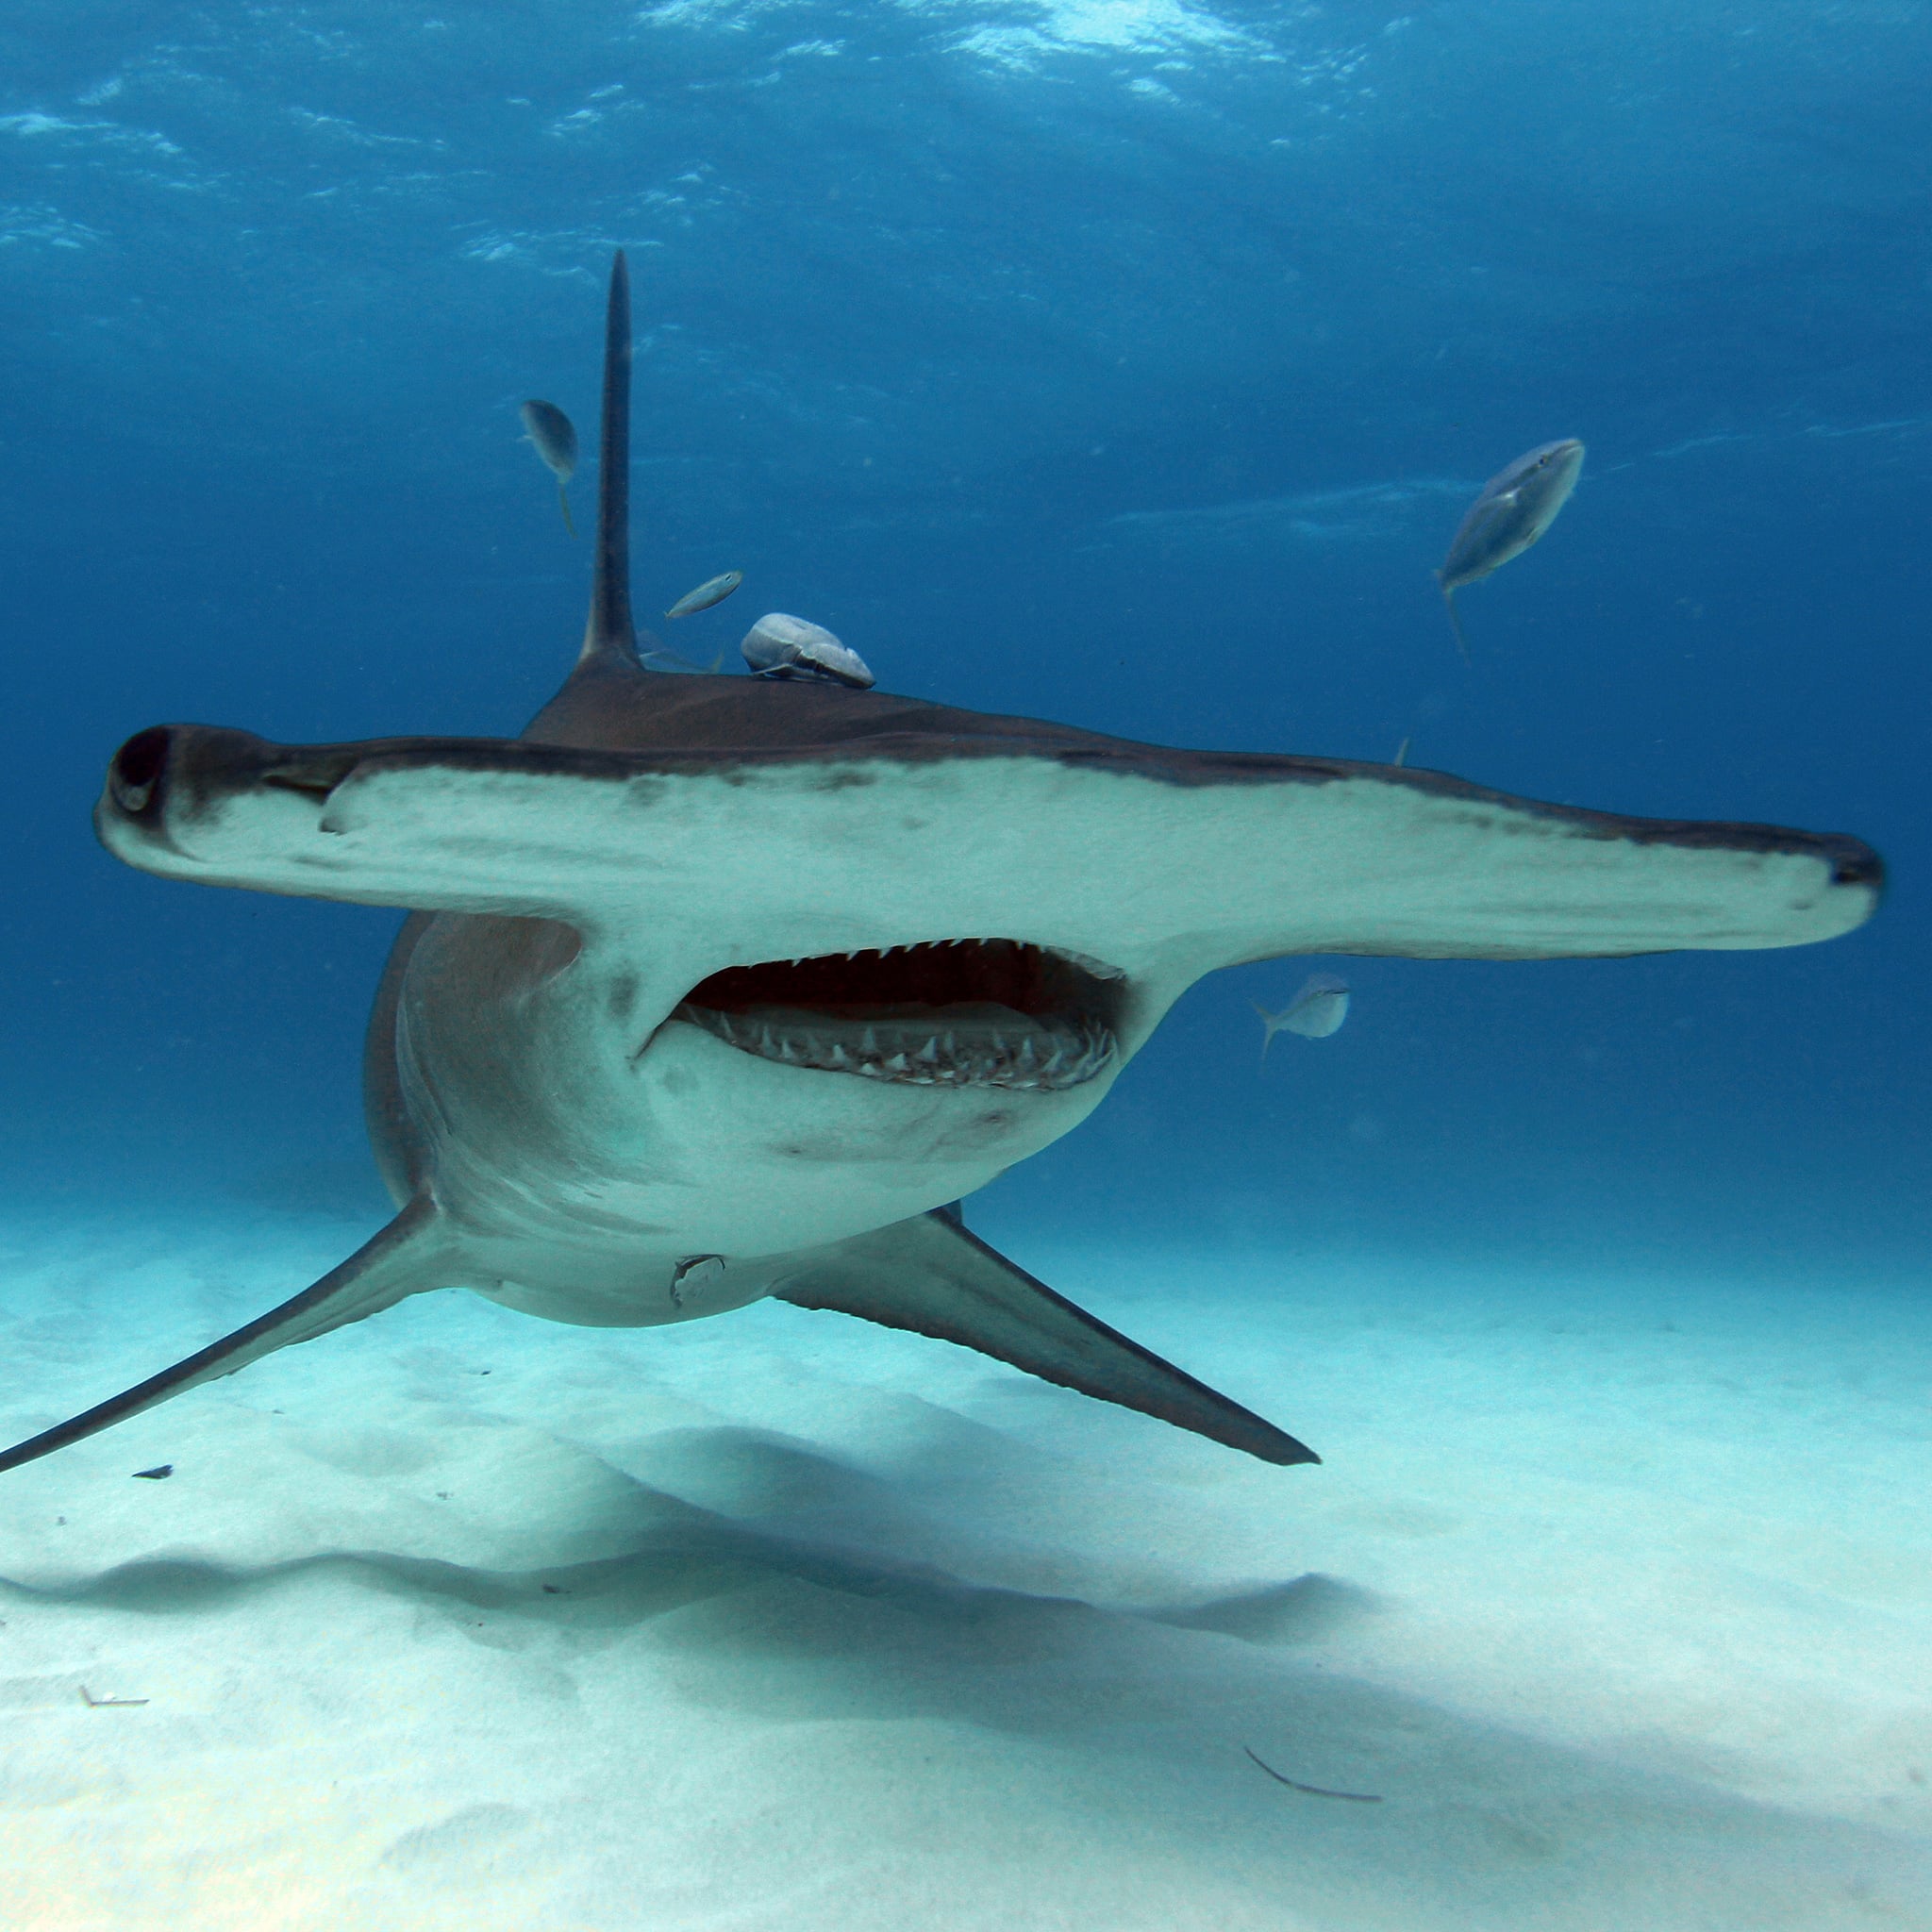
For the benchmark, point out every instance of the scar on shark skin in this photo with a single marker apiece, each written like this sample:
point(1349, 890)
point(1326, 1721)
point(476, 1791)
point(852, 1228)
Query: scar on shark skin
point(1317, 1790)
point(93, 1703)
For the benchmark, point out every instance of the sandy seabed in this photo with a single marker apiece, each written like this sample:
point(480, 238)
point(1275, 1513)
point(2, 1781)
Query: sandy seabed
point(1614, 1594)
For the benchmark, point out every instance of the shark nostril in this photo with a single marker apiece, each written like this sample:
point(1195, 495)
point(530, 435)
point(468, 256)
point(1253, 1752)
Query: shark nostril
point(137, 767)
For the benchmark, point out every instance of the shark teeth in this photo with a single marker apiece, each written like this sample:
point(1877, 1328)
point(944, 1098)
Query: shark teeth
point(984, 1047)
point(959, 1011)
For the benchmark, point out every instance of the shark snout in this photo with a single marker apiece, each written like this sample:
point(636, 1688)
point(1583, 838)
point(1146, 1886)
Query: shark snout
point(165, 779)
point(146, 784)
point(178, 795)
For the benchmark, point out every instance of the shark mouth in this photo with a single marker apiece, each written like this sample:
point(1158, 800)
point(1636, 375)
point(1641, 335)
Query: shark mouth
point(950, 1013)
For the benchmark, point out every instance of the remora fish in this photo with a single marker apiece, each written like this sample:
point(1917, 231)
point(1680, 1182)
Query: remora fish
point(713, 591)
point(549, 431)
point(720, 988)
point(1516, 507)
point(1317, 1010)
point(788, 647)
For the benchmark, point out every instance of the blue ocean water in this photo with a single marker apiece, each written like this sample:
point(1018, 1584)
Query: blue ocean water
point(1124, 364)
point(1127, 362)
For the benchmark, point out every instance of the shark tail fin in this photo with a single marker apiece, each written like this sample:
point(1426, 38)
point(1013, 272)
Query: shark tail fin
point(610, 634)
point(1456, 626)
point(929, 1274)
point(402, 1261)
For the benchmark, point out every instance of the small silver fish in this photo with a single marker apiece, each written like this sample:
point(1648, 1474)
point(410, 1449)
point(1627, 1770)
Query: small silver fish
point(1516, 507)
point(781, 646)
point(713, 591)
point(1315, 1012)
point(548, 430)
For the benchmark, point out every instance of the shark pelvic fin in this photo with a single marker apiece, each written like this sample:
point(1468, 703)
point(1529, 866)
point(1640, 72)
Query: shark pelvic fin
point(932, 1276)
point(401, 1260)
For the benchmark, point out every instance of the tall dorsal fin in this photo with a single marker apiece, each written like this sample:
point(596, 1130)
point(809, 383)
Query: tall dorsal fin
point(610, 637)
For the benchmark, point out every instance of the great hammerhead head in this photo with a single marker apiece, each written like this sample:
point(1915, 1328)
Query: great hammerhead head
point(716, 988)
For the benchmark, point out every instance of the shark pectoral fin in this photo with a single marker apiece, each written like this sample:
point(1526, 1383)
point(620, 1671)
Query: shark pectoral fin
point(931, 1275)
point(401, 1260)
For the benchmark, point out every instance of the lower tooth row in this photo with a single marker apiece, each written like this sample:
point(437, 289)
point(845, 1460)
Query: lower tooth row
point(941, 1061)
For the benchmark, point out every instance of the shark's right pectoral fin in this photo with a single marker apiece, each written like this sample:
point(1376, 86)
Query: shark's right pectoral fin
point(403, 1259)
point(931, 1275)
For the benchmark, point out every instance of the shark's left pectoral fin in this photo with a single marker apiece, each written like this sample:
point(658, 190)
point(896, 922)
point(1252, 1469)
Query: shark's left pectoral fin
point(931, 1275)
point(402, 1261)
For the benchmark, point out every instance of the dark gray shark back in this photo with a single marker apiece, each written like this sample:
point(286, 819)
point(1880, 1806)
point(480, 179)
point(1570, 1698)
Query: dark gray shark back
point(399, 1156)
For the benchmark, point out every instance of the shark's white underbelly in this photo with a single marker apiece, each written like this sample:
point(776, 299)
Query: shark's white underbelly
point(593, 1176)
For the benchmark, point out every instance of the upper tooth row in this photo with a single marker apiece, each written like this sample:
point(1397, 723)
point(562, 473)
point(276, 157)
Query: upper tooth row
point(886, 952)
point(1098, 968)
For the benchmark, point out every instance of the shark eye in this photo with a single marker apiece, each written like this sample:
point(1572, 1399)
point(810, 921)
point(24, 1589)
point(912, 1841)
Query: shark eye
point(136, 768)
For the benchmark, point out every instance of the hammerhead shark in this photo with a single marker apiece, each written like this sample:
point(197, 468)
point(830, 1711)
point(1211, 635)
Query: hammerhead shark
point(716, 988)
